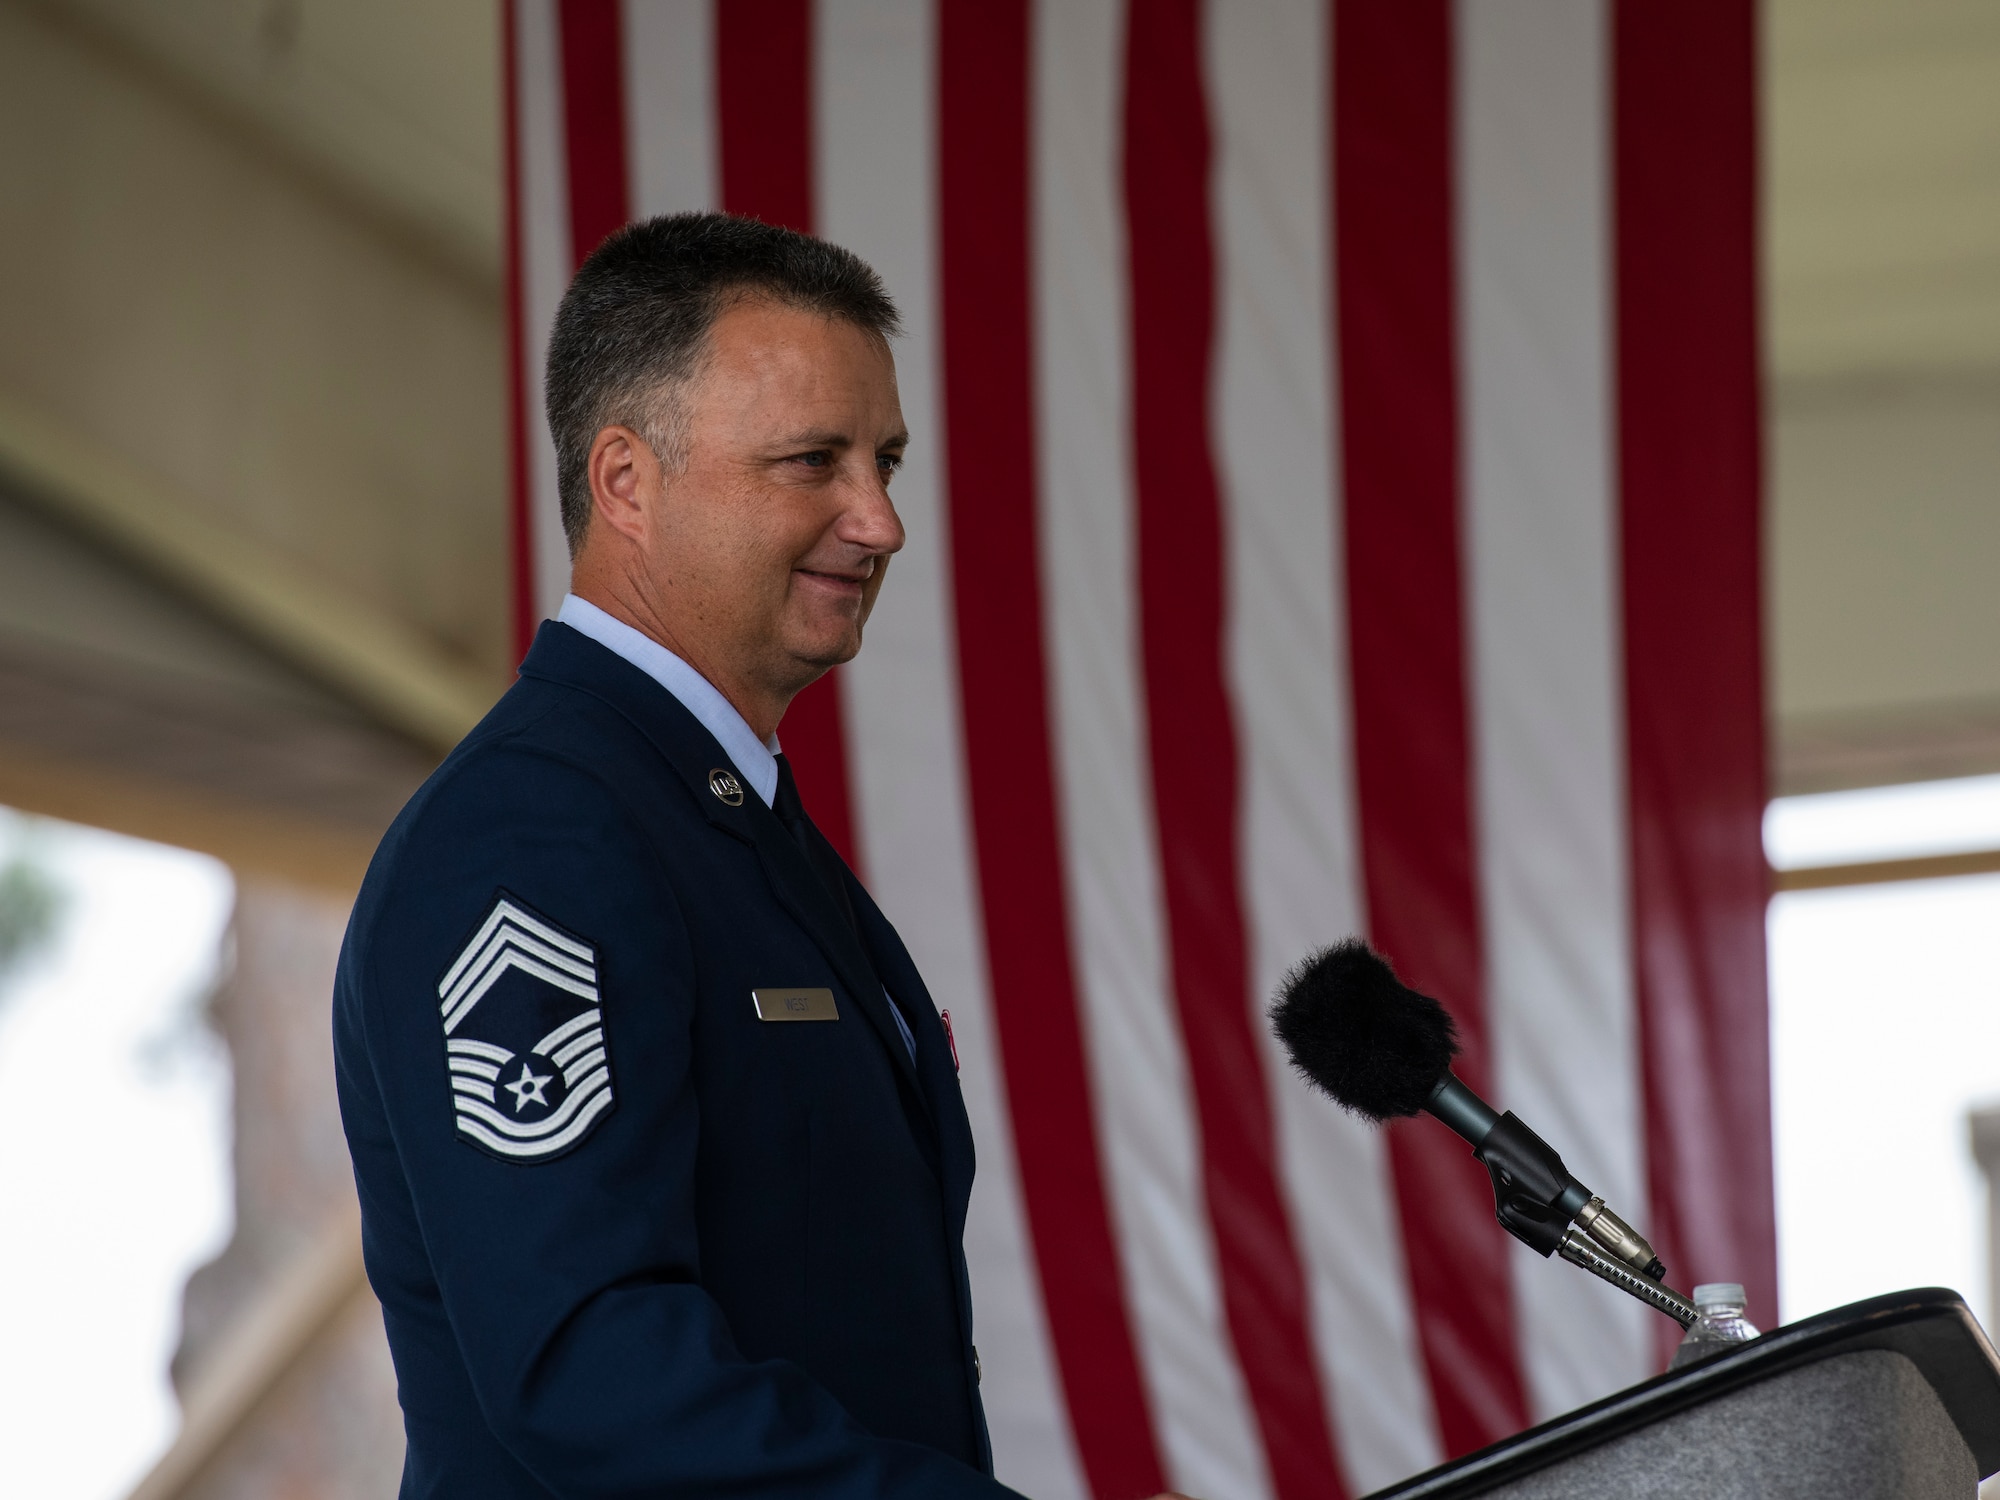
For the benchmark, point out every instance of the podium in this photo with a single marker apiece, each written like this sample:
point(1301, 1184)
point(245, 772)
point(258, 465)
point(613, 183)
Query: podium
point(1894, 1398)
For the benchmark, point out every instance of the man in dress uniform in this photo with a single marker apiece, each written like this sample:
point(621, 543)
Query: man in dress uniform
point(662, 1159)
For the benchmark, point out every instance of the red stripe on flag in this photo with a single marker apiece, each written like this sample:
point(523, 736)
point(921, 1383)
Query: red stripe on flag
point(983, 203)
point(593, 81)
point(764, 114)
point(520, 534)
point(764, 100)
point(1399, 418)
point(1192, 740)
point(1689, 464)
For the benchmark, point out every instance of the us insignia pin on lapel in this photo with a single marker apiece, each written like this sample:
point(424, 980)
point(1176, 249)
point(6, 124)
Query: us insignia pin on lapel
point(524, 1036)
point(728, 790)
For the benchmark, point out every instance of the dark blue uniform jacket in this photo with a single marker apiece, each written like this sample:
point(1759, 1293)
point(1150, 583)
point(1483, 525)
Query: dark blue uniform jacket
point(630, 1239)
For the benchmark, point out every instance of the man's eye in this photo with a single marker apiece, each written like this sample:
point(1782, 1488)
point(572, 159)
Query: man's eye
point(889, 463)
point(815, 460)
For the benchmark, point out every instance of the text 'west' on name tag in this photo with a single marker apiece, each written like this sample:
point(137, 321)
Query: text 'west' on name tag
point(795, 1005)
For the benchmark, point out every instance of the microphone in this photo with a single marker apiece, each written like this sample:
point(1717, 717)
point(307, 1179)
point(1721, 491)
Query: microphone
point(1383, 1051)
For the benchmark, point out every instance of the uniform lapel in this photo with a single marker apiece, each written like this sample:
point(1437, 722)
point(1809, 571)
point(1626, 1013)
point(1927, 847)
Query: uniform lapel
point(935, 1066)
point(567, 656)
point(801, 892)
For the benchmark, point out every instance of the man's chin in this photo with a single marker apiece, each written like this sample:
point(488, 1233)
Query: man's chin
point(826, 641)
point(815, 658)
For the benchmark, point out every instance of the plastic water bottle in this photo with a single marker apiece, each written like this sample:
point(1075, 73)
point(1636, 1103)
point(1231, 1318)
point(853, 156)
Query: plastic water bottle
point(1721, 1324)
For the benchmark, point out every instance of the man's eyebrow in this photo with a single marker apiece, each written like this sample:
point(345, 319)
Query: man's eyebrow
point(829, 437)
point(818, 437)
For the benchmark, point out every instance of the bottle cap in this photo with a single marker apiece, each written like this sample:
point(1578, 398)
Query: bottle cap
point(1713, 1294)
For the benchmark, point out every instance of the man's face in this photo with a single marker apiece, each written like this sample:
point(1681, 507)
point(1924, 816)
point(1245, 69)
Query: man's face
point(770, 545)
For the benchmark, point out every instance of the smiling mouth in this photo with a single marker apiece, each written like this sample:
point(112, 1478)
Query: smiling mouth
point(838, 580)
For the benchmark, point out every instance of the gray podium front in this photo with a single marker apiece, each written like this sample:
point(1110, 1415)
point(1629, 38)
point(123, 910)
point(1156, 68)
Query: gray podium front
point(1895, 1398)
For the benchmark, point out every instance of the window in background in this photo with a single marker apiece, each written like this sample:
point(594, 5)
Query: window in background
point(1885, 1032)
point(114, 1144)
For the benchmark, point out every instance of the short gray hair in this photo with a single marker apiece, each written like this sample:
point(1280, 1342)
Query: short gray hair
point(633, 327)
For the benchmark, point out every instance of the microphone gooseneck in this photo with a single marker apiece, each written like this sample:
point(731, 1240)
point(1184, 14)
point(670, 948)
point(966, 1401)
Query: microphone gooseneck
point(1577, 1249)
point(1384, 1051)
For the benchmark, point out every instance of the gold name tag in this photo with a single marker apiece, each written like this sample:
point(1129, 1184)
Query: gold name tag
point(795, 1005)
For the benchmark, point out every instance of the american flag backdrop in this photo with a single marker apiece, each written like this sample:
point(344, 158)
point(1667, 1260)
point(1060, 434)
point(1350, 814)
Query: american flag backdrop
point(1333, 508)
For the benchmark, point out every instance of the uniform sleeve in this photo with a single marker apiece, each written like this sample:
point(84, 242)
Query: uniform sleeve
point(566, 1252)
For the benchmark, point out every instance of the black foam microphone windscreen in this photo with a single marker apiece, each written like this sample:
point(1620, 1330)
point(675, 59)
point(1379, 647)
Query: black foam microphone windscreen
point(1357, 1032)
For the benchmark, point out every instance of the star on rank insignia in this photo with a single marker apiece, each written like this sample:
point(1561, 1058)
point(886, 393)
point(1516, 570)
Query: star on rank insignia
point(524, 1036)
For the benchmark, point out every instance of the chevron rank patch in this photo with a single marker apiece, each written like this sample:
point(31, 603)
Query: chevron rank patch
point(524, 1036)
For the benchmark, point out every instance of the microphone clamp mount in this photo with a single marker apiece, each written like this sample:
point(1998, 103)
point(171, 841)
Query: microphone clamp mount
point(1541, 1205)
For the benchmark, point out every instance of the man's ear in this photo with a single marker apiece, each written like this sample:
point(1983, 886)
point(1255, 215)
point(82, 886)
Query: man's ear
point(624, 474)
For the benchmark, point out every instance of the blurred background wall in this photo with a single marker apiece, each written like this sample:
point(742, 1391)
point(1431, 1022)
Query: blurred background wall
point(253, 537)
point(253, 562)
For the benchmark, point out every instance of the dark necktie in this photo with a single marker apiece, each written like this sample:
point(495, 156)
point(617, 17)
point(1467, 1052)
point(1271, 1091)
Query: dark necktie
point(819, 854)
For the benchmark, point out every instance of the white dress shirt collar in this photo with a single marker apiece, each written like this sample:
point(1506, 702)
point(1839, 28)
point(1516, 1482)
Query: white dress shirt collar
point(755, 760)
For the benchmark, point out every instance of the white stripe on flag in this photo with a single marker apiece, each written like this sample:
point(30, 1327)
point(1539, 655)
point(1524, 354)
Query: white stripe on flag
point(1534, 204)
point(670, 106)
point(1138, 1071)
point(545, 273)
point(1273, 426)
point(875, 138)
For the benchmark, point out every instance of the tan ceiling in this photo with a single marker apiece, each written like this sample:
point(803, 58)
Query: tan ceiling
point(1882, 179)
point(392, 103)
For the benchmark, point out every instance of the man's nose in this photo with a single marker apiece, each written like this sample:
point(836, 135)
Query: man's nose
point(870, 519)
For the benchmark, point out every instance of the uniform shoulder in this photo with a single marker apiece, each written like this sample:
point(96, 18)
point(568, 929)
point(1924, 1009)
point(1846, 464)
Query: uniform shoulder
point(549, 764)
point(523, 885)
point(539, 714)
point(512, 822)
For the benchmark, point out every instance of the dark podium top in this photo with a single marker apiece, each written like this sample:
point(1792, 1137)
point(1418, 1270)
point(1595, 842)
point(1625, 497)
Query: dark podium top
point(1931, 1327)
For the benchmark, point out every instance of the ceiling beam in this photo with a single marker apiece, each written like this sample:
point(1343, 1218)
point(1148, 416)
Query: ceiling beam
point(1887, 871)
point(250, 839)
point(387, 668)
